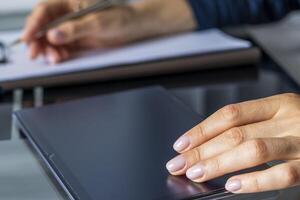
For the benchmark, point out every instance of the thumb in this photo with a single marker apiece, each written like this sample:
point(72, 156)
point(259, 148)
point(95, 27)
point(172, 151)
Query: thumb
point(67, 32)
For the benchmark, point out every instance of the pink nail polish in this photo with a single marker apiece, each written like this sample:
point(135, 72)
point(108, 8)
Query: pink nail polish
point(182, 143)
point(58, 35)
point(233, 185)
point(50, 59)
point(176, 164)
point(196, 172)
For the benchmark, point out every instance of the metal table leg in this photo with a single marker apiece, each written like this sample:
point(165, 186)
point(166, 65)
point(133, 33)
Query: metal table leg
point(38, 96)
point(17, 105)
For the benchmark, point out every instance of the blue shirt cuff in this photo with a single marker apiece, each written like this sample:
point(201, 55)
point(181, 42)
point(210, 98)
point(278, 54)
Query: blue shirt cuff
point(204, 13)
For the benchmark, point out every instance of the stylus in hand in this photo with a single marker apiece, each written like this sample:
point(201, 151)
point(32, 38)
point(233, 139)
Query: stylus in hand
point(102, 5)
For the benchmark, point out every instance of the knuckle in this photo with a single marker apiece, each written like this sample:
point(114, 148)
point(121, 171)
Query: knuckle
point(196, 154)
point(258, 149)
point(216, 165)
point(93, 23)
point(70, 27)
point(256, 185)
point(235, 135)
point(288, 98)
point(291, 176)
point(231, 112)
point(291, 95)
point(198, 134)
point(192, 156)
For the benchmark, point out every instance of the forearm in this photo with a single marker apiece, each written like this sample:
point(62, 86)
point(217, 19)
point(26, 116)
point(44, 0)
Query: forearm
point(159, 17)
point(220, 13)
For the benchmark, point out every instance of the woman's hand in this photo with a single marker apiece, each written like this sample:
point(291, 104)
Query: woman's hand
point(242, 136)
point(111, 27)
point(42, 14)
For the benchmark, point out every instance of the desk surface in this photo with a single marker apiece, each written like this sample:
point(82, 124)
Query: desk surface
point(204, 92)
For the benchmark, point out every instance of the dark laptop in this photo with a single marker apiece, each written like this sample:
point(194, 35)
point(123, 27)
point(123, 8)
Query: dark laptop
point(116, 146)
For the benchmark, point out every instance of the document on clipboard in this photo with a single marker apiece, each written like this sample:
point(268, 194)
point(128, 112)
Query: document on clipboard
point(179, 53)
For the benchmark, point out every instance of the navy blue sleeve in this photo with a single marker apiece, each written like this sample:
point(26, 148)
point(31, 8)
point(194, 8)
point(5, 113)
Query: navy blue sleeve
point(220, 13)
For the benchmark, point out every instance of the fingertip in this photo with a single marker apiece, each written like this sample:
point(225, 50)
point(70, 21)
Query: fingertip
point(196, 173)
point(177, 165)
point(53, 55)
point(52, 58)
point(182, 144)
point(233, 185)
point(56, 36)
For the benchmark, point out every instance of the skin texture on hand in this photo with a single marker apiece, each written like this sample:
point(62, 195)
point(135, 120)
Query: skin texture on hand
point(111, 27)
point(241, 136)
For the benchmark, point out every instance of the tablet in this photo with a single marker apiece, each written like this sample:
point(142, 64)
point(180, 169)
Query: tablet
point(115, 146)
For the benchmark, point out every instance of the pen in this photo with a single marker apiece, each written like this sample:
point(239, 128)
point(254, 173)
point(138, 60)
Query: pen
point(101, 5)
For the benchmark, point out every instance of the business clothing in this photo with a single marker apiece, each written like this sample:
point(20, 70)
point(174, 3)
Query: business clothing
point(220, 13)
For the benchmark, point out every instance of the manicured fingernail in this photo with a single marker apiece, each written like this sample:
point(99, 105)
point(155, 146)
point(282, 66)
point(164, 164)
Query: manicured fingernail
point(182, 143)
point(195, 172)
point(233, 185)
point(50, 59)
point(176, 164)
point(58, 35)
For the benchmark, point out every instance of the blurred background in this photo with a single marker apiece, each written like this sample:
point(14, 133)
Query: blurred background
point(13, 13)
point(16, 6)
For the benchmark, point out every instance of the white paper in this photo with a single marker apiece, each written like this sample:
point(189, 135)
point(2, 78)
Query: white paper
point(186, 44)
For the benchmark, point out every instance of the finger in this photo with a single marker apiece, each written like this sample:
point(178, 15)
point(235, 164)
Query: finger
point(53, 55)
point(42, 14)
point(65, 53)
point(238, 135)
point(227, 141)
point(226, 118)
point(35, 49)
point(71, 31)
point(246, 155)
point(35, 21)
point(275, 178)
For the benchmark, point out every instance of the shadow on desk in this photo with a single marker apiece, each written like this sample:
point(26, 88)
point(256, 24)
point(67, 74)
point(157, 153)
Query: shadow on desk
point(5, 121)
point(201, 78)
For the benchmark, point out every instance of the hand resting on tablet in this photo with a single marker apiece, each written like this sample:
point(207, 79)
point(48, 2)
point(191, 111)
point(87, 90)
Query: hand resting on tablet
point(241, 136)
